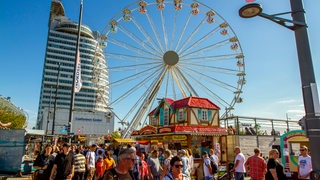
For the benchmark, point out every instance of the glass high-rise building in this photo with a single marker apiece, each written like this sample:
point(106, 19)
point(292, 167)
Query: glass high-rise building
point(91, 114)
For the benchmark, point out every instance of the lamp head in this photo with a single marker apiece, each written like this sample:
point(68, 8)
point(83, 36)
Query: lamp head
point(250, 10)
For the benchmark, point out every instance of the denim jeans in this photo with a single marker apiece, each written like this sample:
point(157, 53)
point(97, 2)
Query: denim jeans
point(239, 176)
point(208, 178)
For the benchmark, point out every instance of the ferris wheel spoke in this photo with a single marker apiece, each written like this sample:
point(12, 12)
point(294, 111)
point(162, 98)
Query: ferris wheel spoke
point(196, 43)
point(132, 90)
point(173, 86)
point(133, 66)
point(211, 58)
point(128, 57)
point(137, 39)
point(155, 32)
point(192, 34)
point(176, 79)
point(212, 79)
point(128, 46)
point(134, 76)
point(173, 29)
point(167, 85)
point(183, 31)
point(146, 35)
point(211, 68)
point(164, 30)
point(206, 49)
point(208, 91)
point(186, 83)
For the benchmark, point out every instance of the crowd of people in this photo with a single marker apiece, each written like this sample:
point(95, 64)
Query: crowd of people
point(126, 163)
point(272, 169)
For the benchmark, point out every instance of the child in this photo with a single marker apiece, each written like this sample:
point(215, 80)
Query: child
point(99, 168)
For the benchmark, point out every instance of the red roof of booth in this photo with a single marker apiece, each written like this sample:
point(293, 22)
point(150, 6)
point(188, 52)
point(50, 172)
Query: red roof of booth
point(194, 102)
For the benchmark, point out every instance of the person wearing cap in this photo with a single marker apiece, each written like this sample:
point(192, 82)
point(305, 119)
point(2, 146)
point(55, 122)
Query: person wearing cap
point(185, 162)
point(63, 166)
point(207, 166)
point(154, 166)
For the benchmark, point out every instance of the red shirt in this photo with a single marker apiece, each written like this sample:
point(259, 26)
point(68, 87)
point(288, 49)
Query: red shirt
point(145, 168)
point(257, 167)
point(99, 168)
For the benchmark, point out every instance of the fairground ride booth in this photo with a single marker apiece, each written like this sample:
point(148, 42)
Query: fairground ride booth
point(188, 123)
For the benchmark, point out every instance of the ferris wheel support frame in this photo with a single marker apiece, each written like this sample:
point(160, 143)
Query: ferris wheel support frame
point(143, 108)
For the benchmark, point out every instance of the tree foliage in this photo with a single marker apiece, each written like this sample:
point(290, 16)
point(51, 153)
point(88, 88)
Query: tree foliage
point(7, 115)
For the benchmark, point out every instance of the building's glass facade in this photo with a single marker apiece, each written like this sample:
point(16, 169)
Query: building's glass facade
point(91, 114)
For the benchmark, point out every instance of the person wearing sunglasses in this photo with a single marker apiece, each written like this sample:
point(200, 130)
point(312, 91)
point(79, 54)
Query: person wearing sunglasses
point(274, 167)
point(176, 170)
point(304, 163)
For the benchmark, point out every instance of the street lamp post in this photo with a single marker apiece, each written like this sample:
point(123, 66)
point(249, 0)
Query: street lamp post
point(309, 88)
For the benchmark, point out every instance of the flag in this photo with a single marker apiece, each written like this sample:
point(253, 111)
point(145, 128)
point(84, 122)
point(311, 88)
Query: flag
point(78, 82)
point(248, 1)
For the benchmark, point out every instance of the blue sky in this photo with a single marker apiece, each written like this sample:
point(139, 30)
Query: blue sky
point(273, 86)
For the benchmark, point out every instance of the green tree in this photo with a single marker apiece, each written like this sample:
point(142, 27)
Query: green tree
point(7, 115)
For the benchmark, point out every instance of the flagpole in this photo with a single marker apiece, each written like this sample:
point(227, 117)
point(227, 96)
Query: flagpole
point(74, 72)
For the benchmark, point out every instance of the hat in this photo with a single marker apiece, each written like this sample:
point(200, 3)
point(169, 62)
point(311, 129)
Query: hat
point(204, 152)
point(182, 151)
point(66, 145)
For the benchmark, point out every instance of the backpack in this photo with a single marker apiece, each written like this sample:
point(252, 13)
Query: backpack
point(214, 167)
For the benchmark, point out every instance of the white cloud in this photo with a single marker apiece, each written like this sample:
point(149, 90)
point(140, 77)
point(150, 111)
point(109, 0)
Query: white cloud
point(287, 101)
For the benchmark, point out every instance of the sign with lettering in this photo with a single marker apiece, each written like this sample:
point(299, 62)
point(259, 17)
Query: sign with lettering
point(201, 130)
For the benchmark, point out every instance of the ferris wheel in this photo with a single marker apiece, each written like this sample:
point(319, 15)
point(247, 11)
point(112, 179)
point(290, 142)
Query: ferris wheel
point(170, 49)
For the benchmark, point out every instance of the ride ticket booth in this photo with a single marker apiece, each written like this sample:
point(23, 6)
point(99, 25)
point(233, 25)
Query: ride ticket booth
point(188, 123)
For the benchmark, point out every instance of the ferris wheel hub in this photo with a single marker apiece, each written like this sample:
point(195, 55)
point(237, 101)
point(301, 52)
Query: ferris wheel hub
point(170, 58)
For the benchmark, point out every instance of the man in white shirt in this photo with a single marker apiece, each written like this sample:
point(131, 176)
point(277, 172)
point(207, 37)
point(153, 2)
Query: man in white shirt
point(239, 161)
point(91, 162)
point(207, 167)
point(304, 164)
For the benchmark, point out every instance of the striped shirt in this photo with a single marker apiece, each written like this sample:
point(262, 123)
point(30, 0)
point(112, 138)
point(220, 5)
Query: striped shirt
point(79, 163)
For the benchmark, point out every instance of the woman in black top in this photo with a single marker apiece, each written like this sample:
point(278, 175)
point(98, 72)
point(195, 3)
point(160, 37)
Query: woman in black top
point(43, 164)
point(275, 169)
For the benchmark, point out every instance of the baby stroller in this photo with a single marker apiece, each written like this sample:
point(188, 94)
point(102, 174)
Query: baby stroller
point(227, 175)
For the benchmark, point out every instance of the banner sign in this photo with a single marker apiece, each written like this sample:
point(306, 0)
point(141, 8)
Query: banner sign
point(148, 130)
point(201, 130)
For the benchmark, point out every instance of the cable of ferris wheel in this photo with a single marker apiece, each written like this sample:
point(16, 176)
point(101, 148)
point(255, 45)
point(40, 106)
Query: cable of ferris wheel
point(146, 35)
point(137, 39)
point(197, 42)
point(191, 35)
point(205, 49)
point(130, 91)
point(212, 79)
point(155, 32)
